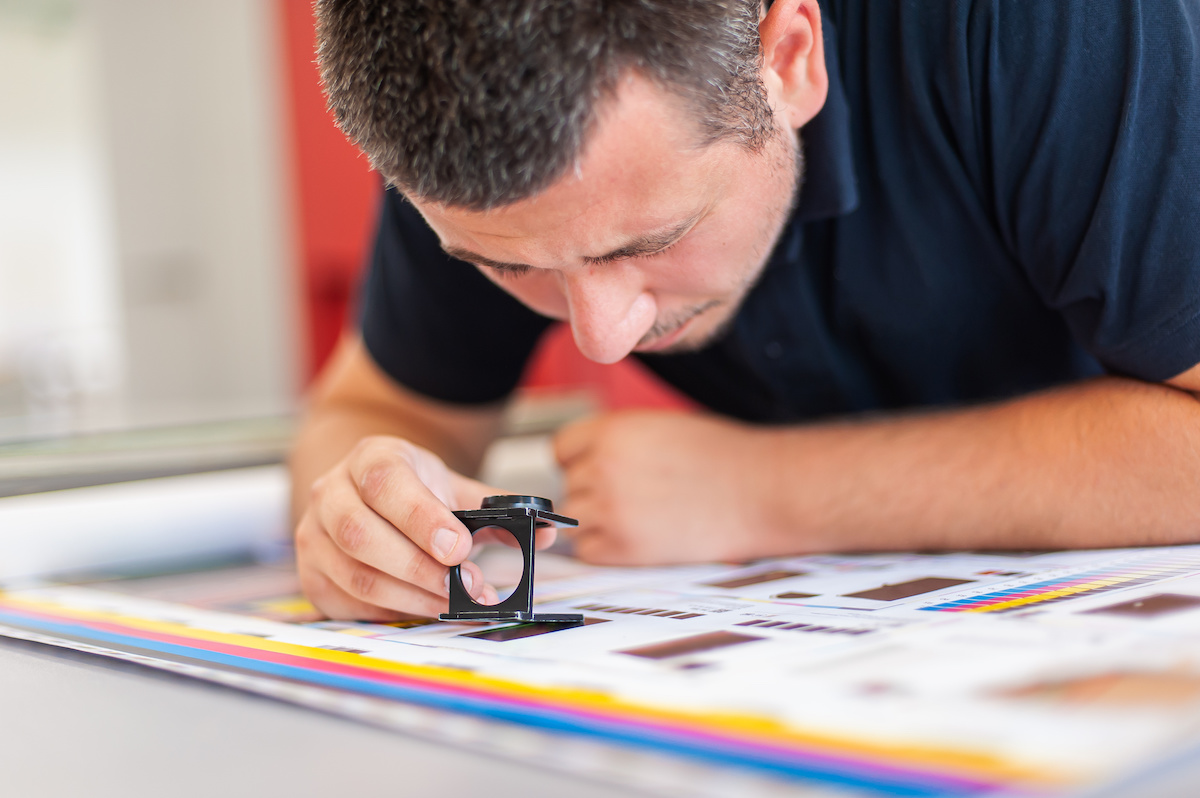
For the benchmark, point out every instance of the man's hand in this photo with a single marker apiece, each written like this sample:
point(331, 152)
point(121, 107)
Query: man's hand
point(664, 487)
point(1105, 462)
point(378, 535)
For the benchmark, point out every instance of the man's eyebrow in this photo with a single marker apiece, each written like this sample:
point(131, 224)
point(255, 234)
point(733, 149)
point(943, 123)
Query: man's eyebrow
point(644, 244)
point(471, 257)
point(648, 243)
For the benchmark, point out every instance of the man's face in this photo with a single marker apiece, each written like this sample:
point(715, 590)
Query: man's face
point(650, 244)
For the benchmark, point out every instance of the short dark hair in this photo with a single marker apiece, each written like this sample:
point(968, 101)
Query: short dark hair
point(480, 103)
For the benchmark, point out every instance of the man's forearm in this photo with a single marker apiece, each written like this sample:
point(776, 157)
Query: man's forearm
point(1103, 463)
point(354, 400)
point(325, 437)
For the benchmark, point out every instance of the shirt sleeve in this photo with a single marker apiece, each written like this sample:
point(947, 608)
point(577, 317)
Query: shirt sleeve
point(1091, 112)
point(436, 325)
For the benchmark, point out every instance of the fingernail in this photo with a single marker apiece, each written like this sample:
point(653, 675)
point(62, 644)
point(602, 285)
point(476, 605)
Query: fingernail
point(444, 541)
point(468, 580)
point(447, 583)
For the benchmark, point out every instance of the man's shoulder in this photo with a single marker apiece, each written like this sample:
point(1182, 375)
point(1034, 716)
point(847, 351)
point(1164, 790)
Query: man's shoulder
point(1072, 33)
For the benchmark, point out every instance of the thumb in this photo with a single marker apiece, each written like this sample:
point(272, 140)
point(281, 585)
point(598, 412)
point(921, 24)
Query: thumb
point(470, 493)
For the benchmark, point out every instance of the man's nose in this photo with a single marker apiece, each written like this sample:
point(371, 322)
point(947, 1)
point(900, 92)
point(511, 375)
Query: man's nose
point(610, 311)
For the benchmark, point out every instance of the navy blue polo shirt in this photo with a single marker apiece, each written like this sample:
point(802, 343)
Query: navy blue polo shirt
point(1000, 196)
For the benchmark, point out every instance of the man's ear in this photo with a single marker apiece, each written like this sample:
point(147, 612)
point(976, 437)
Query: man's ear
point(794, 60)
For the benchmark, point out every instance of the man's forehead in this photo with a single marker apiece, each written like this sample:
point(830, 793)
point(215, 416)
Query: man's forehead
point(640, 173)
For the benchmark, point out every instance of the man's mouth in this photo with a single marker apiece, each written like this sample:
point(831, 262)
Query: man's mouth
point(663, 341)
point(659, 341)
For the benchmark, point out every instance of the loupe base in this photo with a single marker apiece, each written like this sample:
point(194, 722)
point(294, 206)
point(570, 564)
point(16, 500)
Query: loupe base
point(524, 617)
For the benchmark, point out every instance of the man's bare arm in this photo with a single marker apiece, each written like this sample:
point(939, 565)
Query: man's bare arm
point(1107, 462)
point(353, 399)
point(376, 473)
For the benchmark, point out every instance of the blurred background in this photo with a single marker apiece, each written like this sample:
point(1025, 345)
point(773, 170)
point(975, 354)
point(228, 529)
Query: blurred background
point(182, 232)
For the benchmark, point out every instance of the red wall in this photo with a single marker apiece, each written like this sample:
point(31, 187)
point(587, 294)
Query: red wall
point(334, 206)
point(335, 192)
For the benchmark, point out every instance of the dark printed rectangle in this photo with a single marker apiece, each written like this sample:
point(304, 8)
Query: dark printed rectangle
point(647, 611)
point(914, 587)
point(709, 641)
point(522, 630)
point(1150, 606)
point(755, 579)
point(795, 595)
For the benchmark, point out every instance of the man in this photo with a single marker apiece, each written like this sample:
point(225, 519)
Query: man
point(935, 267)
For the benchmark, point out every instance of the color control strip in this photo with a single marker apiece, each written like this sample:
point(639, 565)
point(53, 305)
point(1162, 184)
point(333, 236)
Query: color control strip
point(1068, 587)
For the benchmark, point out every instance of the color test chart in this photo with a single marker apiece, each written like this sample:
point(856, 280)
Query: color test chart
point(848, 675)
point(1089, 582)
point(745, 741)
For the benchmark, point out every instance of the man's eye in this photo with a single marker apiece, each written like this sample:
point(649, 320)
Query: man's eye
point(658, 252)
point(509, 272)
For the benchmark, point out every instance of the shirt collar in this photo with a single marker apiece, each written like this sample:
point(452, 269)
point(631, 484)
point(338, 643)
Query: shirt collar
point(830, 185)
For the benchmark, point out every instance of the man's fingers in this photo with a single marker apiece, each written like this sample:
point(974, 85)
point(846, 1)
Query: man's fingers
point(470, 493)
point(369, 585)
point(544, 538)
point(476, 584)
point(580, 477)
point(333, 602)
point(596, 548)
point(389, 485)
point(573, 440)
point(472, 579)
point(578, 502)
point(362, 534)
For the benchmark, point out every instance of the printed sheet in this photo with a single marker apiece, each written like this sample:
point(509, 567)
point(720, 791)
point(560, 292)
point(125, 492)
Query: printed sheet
point(1031, 673)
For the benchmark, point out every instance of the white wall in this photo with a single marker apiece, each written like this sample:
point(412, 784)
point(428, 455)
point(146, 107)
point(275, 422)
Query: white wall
point(60, 314)
point(166, 204)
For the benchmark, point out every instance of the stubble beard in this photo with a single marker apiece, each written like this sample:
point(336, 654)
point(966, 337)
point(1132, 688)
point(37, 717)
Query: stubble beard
point(788, 155)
